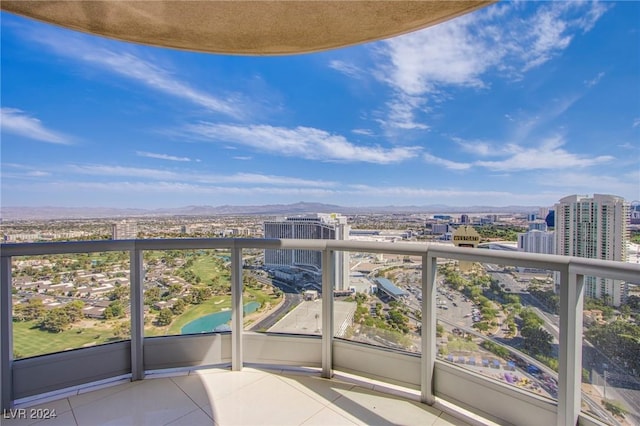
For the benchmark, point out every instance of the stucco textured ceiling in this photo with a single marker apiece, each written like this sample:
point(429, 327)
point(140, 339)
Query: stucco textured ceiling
point(262, 27)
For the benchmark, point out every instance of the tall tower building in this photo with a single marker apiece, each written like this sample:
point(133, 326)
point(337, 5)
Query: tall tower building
point(124, 230)
point(318, 227)
point(597, 228)
point(537, 241)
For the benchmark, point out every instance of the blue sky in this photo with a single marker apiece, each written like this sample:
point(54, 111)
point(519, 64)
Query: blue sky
point(516, 104)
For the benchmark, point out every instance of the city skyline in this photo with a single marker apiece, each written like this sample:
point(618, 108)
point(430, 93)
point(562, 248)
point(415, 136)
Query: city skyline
point(515, 104)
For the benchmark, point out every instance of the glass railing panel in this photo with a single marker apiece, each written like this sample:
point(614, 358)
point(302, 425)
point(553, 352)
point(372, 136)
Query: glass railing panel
point(289, 290)
point(268, 295)
point(489, 323)
point(611, 351)
point(69, 301)
point(186, 292)
point(380, 301)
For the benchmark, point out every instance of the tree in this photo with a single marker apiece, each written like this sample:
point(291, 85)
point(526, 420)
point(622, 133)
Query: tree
point(74, 310)
point(151, 295)
point(55, 321)
point(114, 310)
point(500, 351)
point(122, 329)
point(165, 316)
point(179, 307)
point(625, 311)
point(31, 311)
point(537, 340)
point(199, 295)
point(620, 341)
point(530, 319)
point(119, 293)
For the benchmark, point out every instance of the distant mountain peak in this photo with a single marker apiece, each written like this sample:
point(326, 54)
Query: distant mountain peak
point(52, 212)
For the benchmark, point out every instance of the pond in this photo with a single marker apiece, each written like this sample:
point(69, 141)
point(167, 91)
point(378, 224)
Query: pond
point(215, 322)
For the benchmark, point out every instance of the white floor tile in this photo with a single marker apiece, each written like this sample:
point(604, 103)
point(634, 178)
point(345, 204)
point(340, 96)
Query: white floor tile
point(154, 402)
point(269, 401)
point(323, 390)
point(327, 416)
point(365, 406)
point(205, 388)
point(194, 418)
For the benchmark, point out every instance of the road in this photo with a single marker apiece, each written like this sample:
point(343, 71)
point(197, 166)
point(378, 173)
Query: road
point(593, 359)
point(291, 299)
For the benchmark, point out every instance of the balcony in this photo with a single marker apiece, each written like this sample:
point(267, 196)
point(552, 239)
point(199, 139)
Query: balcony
point(348, 377)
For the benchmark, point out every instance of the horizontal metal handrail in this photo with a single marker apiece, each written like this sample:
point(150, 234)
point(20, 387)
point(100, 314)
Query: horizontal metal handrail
point(595, 267)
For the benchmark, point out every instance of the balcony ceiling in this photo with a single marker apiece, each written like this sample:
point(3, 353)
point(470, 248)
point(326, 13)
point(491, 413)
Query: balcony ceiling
point(262, 27)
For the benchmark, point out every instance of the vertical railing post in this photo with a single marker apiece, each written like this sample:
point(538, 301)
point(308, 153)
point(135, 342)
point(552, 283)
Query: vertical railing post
point(570, 351)
point(6, 335)
point(428, 360)
point(328, 284)
point(136, 267)
point(237, 312)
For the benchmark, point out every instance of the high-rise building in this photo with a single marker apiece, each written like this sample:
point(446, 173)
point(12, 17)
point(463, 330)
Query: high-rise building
point(597, 228)
point(318, 227)
point(125, 230)
point(543, 212)
point(537, 241)
point(550, 218)
point(440, 228)
point(464, 219)
point(538, 225)
point(634, 213)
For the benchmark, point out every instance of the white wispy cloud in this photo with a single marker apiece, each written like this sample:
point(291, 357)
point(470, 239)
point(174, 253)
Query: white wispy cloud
point(526, 123)
point(513, 157)
point(38, 173)
point(262, 179)
point(628, 145)
point(401, 113)
point(22, 124)
point(549, 155)
point(22, 171)
point(595, 80)
point(428, 195)
point(193, 177)
point(242, 157)
point(303, 142)
point(625, 185)
point(364, 132)
point(448, 164)
point(129, 65)
point(126, 188)
point(121, 171)
point(476, 147)
point(464, 51)
point(346, 68)
point(636, 123)
point(446, 54)
point(162, 156)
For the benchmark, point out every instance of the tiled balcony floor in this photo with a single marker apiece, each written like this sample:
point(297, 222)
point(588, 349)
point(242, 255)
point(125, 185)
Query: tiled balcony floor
point(224, 397)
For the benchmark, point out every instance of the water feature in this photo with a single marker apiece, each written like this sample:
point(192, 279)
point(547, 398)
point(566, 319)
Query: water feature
point(215, 322)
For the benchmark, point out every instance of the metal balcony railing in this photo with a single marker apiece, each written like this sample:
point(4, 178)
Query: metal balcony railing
point(572, 271)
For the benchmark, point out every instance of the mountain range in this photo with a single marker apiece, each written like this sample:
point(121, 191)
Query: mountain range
point(51, 212)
